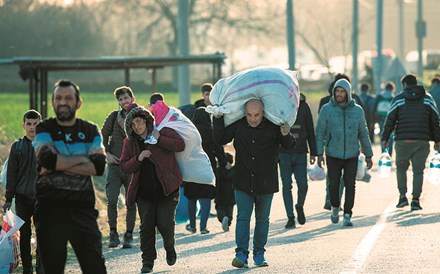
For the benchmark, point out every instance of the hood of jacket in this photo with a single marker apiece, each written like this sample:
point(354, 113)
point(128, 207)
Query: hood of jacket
point(414, 92)
point(347, 87)
point(138, 111)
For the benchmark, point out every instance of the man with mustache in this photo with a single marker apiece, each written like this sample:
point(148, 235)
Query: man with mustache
point(69, 151)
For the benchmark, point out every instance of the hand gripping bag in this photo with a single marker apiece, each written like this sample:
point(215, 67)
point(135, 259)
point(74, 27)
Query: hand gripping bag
point(9, 242)
point(277, 88)
point(193, 162)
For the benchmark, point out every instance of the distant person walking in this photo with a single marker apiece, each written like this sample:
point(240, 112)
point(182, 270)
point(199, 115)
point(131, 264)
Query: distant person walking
point(155, 181)
point(69, 152)
point(225, 199)
point(341, 126)
point(20, 184)
point(113, 135)
point(294, 161)
point(435, 90)
point(368, 106)
point(381, 107)
point(415, 119)
point(256, 142)
point(202, 192)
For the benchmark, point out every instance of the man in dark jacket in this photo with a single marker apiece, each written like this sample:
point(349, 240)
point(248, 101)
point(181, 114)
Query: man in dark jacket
point(21, 177)
point(256, 143)
point(113, 136)
point(414, 117)
point(295, 161)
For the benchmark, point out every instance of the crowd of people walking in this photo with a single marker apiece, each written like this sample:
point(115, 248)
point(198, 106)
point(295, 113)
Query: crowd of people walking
point(50, 169)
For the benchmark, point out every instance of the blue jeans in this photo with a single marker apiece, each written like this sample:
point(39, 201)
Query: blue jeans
point(296, 164)
point(245, 206)
point(205, 207)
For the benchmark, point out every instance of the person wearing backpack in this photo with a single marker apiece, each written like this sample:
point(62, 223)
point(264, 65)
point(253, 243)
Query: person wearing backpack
point(380, 110)
point(113, 136)
point(20, 184)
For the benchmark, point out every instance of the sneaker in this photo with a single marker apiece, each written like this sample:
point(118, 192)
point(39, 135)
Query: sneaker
point(171, 257)
point(259, 259)
point(128, 240)
point(190, 229)
point(327, 205)
point(347, 220)
point(204, 231)
point(301, 216)
point(240, 260)
point(290, 223)
point(335, 215)
point(403, 201)
point(147, 268)
point(225, 224)
point(415, 205)
point(114, 239)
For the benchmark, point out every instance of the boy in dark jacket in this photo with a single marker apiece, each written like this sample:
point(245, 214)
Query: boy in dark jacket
point(21, 177)
point(225, 200)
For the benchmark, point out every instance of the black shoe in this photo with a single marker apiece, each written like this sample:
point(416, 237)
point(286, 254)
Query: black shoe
point(128, 240)
point(171, 257)
point(301, 216)
point(114, 239)
point(147, 268)
point(290, 223)
point(415, 205)
point(190, 229)
point(327, 205)
point(403, 201)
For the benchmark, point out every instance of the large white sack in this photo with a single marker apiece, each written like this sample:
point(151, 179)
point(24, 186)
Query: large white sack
point(193, 162)
point(277, 88)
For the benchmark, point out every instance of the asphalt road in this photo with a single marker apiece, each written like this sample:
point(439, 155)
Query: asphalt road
point(384, 239)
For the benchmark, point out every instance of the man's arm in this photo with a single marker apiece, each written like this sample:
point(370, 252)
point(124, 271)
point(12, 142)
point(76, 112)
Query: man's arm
point(107, 131)
point(390, 120)
point(11, 177)
point(220, 133)
point(310, 128)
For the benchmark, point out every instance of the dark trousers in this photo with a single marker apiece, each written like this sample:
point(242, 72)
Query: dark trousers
point(25, 208)
point(224, 210)
point(161, 214)
point(56, 225)
point(335, 167)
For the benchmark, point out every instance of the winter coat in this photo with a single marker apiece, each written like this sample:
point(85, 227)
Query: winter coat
point(413, 115)
point(162, 156)
point(340, 128)
point(256, 155)
point(303, 130)
point(114, 127)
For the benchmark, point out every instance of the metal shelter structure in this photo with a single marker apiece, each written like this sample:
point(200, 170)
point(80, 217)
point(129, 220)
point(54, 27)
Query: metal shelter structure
point(36, 70)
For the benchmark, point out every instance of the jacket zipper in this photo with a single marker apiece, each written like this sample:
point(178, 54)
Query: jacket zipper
point(344, 133)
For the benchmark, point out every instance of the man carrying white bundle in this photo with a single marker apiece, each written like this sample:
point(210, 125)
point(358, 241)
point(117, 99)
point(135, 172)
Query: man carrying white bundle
point(256, 142)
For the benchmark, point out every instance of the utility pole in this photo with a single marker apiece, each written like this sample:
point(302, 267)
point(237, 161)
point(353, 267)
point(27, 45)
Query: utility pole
point(400, 46)
point(379, 57)
point(420, 33)
point(290, 34)
point(355, 38)
point(183, 76)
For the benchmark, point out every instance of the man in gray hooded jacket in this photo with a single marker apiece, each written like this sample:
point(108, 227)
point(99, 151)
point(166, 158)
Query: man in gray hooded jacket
point(339, 121)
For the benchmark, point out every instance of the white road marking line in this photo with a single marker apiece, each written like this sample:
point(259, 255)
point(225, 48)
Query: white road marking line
point(363, 249)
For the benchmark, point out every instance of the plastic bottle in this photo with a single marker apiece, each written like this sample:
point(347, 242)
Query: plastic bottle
point(385, 164)
point(434, 169)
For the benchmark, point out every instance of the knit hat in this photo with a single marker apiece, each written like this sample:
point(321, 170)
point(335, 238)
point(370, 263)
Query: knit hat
point(134, 110)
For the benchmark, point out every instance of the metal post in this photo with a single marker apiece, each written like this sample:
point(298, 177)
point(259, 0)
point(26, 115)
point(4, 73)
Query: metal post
point(43, 93)
point(153, 80)
point(183, 43)
point(127, 76)
point(400, 32)
point(379, 58)
point(421, 33)
point(355, 38)
point(290, 34)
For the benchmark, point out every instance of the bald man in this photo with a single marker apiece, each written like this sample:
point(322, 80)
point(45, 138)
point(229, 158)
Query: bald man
point(256, 143)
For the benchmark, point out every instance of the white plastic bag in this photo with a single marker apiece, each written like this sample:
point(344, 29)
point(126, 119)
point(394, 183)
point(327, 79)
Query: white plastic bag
point(3, 176)
point(315, 172)
point(277, 88)
point(9, 242)
point(193, 162)
point(361, 168)
point(384, 164)
point(434, 169)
